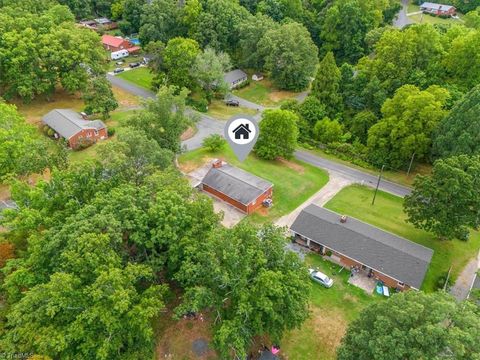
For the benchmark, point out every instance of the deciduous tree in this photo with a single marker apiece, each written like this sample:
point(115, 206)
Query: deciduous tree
point(414, 325)
point(98, 97)
point(178, 59)
point(290, 56)
point(459, 132)
point(278, 134)
point(447, 202)
point(409, 119)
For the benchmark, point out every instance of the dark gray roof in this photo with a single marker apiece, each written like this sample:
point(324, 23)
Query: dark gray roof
point(234, 75)
point(476, 282)
point(236, 183)
point(68, 122)
point(394, 256)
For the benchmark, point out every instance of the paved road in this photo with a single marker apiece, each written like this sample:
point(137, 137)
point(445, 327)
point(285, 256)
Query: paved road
point(351, 174)
point(402, 19)
point(461, 288)
point(208, 125)
point(205, 126)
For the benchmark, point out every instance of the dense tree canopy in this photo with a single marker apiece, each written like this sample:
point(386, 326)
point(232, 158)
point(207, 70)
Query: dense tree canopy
point(459, 132)
point(447, 202)
point(178, 59)
point(23, 150)
point(290, 56)
point(40, 51)
point(414, 325)
point(409, 120)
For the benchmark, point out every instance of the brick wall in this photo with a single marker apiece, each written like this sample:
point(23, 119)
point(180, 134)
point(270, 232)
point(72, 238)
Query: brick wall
point(88, 134)
point(225, 198)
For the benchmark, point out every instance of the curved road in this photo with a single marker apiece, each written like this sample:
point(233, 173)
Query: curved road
point(208, 125)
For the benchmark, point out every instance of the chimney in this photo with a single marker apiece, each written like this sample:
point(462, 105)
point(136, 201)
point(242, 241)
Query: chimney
point(84, 116)
point(247, 126)
point(217, 163)
point(343, 218)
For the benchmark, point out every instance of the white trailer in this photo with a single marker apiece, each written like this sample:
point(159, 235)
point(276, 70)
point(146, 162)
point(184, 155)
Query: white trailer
point(115, 55)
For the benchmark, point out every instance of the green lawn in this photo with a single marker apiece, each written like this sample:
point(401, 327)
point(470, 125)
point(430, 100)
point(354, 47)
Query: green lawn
point(263, 93)
point(293, 181)
point(331, 312)
point(219, 110)
point(387, 213)
point(141, 77)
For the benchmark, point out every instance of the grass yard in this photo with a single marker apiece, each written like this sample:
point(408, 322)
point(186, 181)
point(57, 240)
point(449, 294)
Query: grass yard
point(387, 213)
point(331, 312)
point(40, 106)
point(429, 19)
point(398, 176)
point(219, 110)
point(294, 181)
point(141, 77)
point(264, 93)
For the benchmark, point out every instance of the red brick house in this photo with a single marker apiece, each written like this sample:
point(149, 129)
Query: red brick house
point(397, 262)
point(114, 43)
point(236, 187)
point(74, 127)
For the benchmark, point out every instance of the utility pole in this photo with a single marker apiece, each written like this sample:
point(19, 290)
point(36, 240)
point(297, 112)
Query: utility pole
point(411, 163)
point(378, 184)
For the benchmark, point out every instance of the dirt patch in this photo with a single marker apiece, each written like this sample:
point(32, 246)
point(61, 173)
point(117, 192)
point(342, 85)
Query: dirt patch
point(188, 133)
point(348, 297)
point(277, 96)
point(262, 211)
point(124, 98)
point(291, 165)
point(187, 339)
point(329, 325)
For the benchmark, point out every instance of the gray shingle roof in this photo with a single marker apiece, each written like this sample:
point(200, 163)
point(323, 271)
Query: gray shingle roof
point(435, 6)
point(394, 256)
point(476, 282)
point(68, 122)
point(234, 75)
point(236, 183)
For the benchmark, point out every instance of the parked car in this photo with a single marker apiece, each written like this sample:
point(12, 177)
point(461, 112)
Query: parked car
point(134, 65)
point(232, 102)
point(118, 70)
point(321, 278)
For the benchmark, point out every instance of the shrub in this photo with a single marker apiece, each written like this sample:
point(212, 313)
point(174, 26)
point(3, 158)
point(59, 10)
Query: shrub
point(328, 253)
point(242, 85)
point(84, 143)
point(111, 131)
point(199, 105)
point(441, 281)
point(214, 142)
point(50, 132)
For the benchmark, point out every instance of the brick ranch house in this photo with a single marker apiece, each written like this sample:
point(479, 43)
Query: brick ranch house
point(117, 43)
point(244, 191)
point(74, 127)
point(438, 9)
point(399, 263)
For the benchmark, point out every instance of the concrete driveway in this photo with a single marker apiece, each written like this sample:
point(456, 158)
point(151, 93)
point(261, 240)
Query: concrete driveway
point(402, 19)
point(335, 183)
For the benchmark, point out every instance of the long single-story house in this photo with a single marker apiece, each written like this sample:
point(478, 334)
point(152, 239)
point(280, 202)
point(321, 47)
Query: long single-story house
point(399, 263)
point(438, 9)
point(235, 78)
point(74, 127)
point(235, 186)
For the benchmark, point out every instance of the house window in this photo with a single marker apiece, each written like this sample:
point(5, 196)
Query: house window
point(401, 284)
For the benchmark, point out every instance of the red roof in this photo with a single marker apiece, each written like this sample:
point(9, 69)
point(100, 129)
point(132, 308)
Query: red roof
point(112, 40)
point(133, 49)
